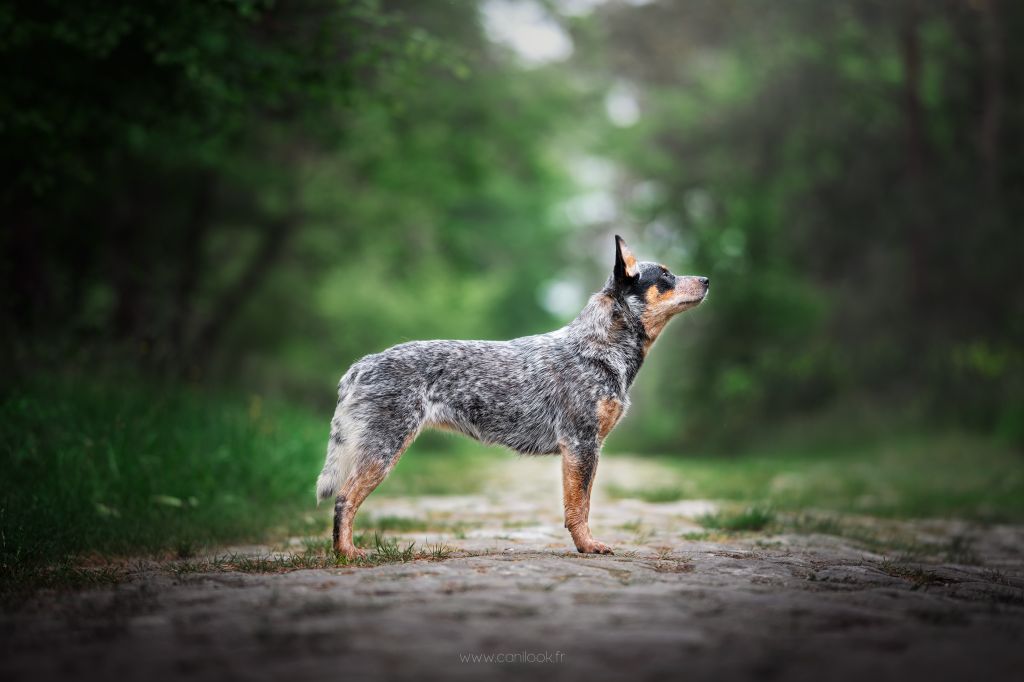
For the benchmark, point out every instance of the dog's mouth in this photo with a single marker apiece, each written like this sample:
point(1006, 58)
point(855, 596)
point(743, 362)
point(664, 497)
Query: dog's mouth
point(692, 302)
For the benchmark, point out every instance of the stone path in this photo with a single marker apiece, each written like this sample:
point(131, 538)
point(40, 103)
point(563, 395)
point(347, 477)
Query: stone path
point(782, 606)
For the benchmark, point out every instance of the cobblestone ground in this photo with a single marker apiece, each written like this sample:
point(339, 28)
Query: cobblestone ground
point(672, 603)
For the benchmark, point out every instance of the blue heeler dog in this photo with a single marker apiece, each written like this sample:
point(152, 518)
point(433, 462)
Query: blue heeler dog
point(555, 393)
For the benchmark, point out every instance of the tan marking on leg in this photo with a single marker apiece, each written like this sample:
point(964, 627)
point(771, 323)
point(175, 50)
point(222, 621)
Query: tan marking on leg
point(355, 490)
point(608, 412)
point(576, 498)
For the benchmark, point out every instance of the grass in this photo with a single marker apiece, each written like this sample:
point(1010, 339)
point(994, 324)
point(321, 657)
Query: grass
point(317, 553)
point(128, 469)
point(922, 476)
point(750, 518)
point(131, 469)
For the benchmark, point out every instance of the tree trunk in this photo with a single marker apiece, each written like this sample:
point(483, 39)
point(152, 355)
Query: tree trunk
point(227, 306)
point(992, 102)
point(190, 270)
point(916, 151)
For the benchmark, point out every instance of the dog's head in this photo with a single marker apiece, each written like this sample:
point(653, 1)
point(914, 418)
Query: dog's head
point(652, 291)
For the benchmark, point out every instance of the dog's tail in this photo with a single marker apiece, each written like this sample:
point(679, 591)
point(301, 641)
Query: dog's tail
point(342, 446)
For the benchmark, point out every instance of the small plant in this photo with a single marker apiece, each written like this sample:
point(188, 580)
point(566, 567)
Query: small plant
point(388, 551)
point(438, 551)
point(751, 518)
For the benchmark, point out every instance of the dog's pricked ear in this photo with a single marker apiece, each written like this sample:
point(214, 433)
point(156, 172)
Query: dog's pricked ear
point(626, 268)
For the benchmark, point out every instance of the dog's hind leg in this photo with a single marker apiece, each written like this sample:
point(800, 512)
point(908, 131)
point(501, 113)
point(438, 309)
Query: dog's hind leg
point(370, 469)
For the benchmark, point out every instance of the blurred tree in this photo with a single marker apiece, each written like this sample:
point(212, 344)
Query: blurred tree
point(836, 169)
point(207, 185)
point(130, 130)
point(256, 192)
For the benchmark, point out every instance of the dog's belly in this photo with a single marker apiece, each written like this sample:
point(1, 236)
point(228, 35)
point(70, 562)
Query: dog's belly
point(530, 431)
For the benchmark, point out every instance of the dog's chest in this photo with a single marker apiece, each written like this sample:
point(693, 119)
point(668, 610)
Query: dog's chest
point(609, 411)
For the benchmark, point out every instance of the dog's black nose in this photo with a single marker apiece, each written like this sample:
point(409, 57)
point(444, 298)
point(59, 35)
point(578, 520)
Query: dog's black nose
point(705, 281)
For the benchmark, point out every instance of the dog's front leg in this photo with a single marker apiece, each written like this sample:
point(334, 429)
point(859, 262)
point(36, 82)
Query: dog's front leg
point(579, 466)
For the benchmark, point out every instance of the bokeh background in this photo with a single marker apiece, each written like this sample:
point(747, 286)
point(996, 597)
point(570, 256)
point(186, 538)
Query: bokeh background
point(210, 209)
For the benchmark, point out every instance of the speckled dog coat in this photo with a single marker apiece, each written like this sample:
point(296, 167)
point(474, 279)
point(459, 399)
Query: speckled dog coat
point(555, 393)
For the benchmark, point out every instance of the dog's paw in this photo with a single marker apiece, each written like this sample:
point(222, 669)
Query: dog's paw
point(351, 553)
point(595, 547)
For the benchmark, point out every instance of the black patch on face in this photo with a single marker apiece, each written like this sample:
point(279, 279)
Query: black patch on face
point(651, 275)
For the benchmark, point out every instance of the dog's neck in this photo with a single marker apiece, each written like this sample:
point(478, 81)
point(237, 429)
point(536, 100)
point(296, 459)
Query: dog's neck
point(607, 331)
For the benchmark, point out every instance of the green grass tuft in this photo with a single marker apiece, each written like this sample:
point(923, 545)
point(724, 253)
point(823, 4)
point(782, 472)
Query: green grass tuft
point(386, 550)
point(438, 551)
point(751, 518)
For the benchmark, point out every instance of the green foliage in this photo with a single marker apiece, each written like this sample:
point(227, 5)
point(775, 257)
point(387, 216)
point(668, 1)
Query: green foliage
point(253, 194)
point(841, 172)
point(89, 467)
point(290, 161)
point(751, 518)
point(936, 476)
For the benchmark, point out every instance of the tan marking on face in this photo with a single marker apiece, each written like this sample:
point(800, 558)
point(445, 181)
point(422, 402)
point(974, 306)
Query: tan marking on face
point(608, 412)
point(663, 306)
point(658, 312)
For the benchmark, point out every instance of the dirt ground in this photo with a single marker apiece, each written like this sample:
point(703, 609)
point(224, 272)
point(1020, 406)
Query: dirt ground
point(781, 605)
